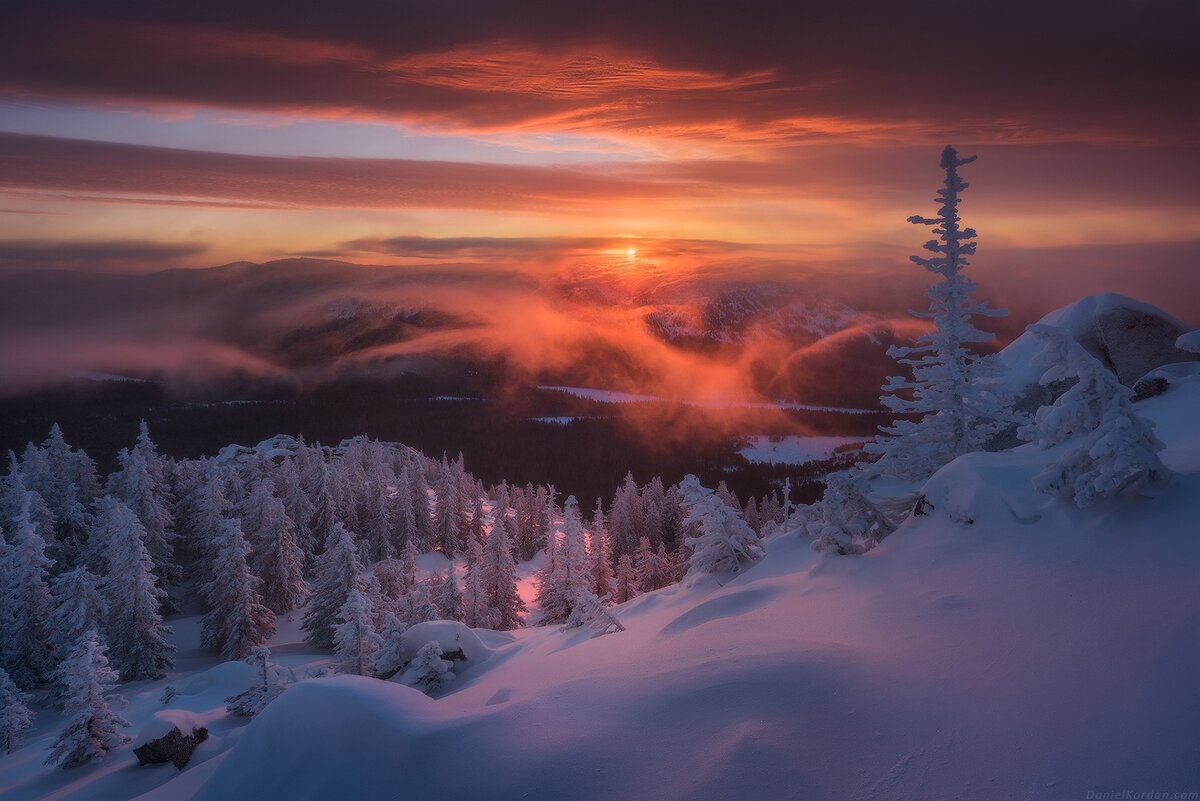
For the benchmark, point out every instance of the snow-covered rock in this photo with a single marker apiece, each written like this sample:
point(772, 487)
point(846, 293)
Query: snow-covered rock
point(1128, 336)
point(450, 634)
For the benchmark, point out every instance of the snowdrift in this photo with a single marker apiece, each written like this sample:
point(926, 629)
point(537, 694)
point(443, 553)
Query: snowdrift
point(1002, 646)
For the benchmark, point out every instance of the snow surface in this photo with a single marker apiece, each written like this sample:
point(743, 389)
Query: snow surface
point(792, 449)
point(1002, 646)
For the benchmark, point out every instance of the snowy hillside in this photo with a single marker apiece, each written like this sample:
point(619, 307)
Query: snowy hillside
point(1000, 659)
point(1038, 651)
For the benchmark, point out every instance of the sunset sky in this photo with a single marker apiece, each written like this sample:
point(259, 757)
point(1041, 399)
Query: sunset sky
point(780, 136)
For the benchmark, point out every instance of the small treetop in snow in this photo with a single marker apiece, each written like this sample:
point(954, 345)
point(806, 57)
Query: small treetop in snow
point(1118, 451)
point(725, 541)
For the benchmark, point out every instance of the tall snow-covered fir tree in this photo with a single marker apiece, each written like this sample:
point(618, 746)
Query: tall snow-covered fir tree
point(724, 543)
point(1118, 450)
point(237, 619)
point(276, 555)
point(498, 575)
point(477, 611)
point(206, 507)
point(140, 486)
point(446, 595)
point(354, 637)
point(601, 552)
point(653, 569)
point(567, 574)
point(337, 573)
point(448, 517)
point(26, 643)
point(15, 715)
point(66, 481)
point(135, 630)
point(959, 410)
point(289, 488)
point(78, 607)
point(93, 723)
point(625, 585)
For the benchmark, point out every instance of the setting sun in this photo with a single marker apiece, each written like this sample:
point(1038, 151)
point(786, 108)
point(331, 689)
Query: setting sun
point(631, 252)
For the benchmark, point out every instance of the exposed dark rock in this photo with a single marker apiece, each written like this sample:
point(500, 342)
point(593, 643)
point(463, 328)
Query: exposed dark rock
point(174, 747)
point(1133, 342)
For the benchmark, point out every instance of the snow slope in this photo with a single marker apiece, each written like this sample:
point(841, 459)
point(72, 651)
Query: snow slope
point(1001, 647)
point(1042, 658)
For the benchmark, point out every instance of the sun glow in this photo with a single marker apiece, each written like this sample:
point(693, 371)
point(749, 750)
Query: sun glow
point(631, 252)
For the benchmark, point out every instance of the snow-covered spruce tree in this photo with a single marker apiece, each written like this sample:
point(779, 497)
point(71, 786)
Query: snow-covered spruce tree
point(846, 521)
point(206, 508)
point(78, 607)
point(428, 671)
point(498, 575)
point(93, 722)
point(237, 620)
point(567, 573)
point(625, 523)
point(277, 558)
point(959, 411)
point(135, 629)
point(416, 606)
point(652, 572)
point(270, 681)
point(403, 516)
point(377, 514)
point(324, 519)
point(724, 543)
point(387, 659)
point(477, 613)
point(289, 488)
point(354, 637)
point(1118, 451)
point(15, 715)
point(602, 568)
point(338, 572)
point(418, 491)
point(625, 586)
point(478, 519)
point(66, 482)
point(448, 517)
point(138, 484)
point(26, 643)
point(447, 597)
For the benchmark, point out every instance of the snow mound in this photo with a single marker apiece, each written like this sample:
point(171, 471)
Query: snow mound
point(450, 634)
point(341, 737)
point(987, 488)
